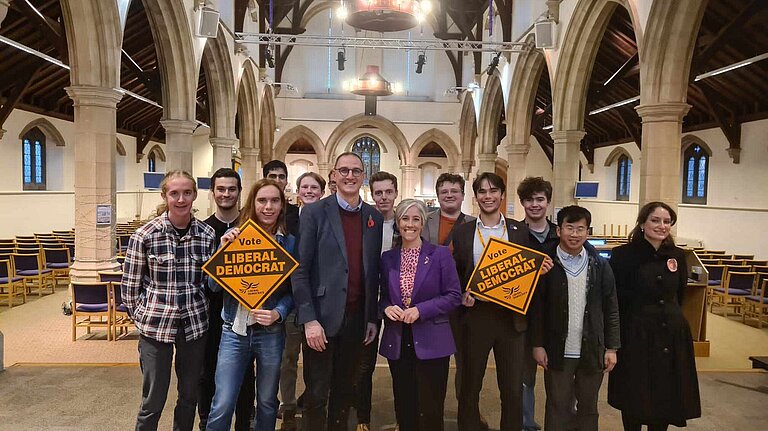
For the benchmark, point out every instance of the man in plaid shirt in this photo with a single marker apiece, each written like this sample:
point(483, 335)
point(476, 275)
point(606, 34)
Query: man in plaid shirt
point(163, 289)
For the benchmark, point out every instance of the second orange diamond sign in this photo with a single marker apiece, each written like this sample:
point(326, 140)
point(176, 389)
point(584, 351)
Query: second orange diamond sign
point(251, 267)
point(506, 274)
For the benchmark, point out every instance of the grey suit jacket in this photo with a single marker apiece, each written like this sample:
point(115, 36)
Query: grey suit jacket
point(321, 280)
point(432, 226)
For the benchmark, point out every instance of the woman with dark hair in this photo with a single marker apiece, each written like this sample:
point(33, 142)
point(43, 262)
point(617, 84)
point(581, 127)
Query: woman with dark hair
point(249, 335)
point(419, 288)
point(654, 382)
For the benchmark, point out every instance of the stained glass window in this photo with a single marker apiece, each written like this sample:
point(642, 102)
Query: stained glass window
point(33, 160)
point(151, 162)
point(368, 150)
point(623, 175)
point(695, 175)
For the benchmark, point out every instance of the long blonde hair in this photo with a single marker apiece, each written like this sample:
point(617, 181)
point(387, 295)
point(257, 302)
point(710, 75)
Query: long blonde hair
point(176, 173)
point(248, 209)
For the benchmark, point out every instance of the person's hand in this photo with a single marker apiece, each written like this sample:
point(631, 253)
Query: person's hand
point(546, 265)
point(610, 361)
point(230, 236)
point(315, 335)
point(540, 356)
point(410, 315)
point(265, 317)
point(394, 312)
point(467, 300)
point(370, 333)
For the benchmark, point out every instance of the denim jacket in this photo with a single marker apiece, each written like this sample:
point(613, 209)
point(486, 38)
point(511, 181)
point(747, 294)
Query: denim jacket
point(281, 300)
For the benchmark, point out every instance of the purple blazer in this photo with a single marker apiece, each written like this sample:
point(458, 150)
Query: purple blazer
point(436, 293)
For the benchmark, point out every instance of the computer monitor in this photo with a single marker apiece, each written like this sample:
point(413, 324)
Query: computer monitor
point(605, 253)
point(596, 241)
point(203, 183)
point(152, 180)
point(585, 189)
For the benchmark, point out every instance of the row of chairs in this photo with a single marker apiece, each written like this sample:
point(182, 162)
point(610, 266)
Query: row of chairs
point(743, 288)
point(99, 304)
point(21, 272)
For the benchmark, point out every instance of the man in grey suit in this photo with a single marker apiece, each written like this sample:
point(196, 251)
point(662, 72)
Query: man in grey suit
point(335, 290)
point(450, 194)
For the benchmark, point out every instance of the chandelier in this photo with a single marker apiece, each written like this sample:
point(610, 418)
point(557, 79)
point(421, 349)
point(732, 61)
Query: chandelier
point(386, 15)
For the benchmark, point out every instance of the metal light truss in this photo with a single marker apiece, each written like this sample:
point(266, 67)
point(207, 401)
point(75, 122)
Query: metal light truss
point(383, 43)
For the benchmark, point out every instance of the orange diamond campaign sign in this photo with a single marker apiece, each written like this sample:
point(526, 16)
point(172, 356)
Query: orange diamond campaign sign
point(506, 274)
point(251, 267)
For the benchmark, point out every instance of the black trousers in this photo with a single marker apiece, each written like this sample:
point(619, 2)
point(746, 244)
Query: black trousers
point(491, 327)
point(457, 329)
point(247, 397)
point(562, 386)
point(419, 387)
point(156, 359)
point(632, 424)
point(330, 376)
point(364, 381)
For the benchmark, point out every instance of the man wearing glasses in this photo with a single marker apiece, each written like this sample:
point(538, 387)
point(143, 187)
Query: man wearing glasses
point(277, 171)
point(335, 290)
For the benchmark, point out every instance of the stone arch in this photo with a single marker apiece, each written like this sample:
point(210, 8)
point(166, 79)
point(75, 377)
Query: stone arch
point(291, 136)
point(577, 58)
point(52, 134)
point(361, 120)
point(468, 133)
point(176, 55)
point(490, 110)
point(267, 126)
point(689, 140)
point(220, 81)
point(158, 150)
point(248, 106)
point(615, 154)
point(442, 139)
point(119, 147)
point(528, 69)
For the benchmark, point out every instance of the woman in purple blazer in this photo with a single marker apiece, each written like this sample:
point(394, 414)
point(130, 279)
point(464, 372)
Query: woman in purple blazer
point(419, 288)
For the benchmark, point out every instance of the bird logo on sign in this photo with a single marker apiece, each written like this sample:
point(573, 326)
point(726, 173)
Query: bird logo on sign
point(247, 285)
point(508, 291)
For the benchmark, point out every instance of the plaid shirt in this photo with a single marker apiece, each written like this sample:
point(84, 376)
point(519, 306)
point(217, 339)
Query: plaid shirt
point(163, 285)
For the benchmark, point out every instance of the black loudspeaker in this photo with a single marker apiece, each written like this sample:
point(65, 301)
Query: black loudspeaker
point(209, 23)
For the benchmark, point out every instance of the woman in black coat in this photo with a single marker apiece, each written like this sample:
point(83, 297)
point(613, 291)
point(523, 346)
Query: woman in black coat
point(654, 382)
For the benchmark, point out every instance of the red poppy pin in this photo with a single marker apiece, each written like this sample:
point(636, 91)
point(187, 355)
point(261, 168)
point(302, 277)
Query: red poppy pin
point(370, 222)
point(672, 265)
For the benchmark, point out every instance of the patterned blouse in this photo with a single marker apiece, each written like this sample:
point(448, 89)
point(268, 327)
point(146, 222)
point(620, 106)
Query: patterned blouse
point(409, 258)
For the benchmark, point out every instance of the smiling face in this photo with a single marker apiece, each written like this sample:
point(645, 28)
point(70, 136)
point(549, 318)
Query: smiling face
point(384, 195)
point(309, 190)
point(267, 206)
point(410, 224)
point(657, 226)
point(349, 175)
point(572, 235)
point(279, 176)
point(178, 195)
point(450, 197)
point(226, 193)
point(535, 206)
point(488, 197)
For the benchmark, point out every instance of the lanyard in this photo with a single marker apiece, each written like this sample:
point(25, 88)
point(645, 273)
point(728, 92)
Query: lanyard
point(503, 233)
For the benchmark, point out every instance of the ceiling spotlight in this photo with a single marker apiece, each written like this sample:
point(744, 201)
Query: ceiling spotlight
point(341, 57)
point(269, 58)
point(493, 64)
point(422, 60)
point(341, 12)
point(426, 6)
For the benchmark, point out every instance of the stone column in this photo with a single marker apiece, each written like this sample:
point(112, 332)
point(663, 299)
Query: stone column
point(408, 187)
point(516, 157)
point(566, 166)
point(486, 162)
point(95, 134)
point(660, 167)
point(222, 152)
point(251, 168)
point(323, 169)
point(178, 144)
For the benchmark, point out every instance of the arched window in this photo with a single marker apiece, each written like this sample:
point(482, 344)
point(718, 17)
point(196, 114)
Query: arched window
point(368, 150)
point(33, 160)
point(151, 162)
point(695, 175)
point(623, 175)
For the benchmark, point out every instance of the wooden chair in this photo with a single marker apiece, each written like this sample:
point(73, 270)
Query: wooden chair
point(736, 287)
point(715, 279)
point(57, 259)
point(757, 263)
point(90, 306)
point(715, 251)
point(756, 306)
point(710, 261)
point(11, 285)
point(119, 312)
point(31, 269)
point(732, 262)
point(744, 256)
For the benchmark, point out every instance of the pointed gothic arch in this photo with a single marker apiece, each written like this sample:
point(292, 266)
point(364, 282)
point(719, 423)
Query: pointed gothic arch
point(294, 134)
point(220, 81)
point(267, 124)
point(52, 134)
point(443, 140)
point(355, 122)
point(491, 109)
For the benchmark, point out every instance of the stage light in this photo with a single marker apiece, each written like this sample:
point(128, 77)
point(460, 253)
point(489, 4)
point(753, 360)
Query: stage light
point(269, 58)
point(493, 64)
point(341, 58)
point(422, 60)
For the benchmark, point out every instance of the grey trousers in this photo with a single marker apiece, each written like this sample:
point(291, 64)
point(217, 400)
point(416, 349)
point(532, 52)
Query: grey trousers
point(289, 366)
point(156, 359)
point(562, 387)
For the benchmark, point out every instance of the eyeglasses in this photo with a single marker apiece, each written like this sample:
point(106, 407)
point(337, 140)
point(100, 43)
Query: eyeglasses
point(568, 229)
point(356, 172)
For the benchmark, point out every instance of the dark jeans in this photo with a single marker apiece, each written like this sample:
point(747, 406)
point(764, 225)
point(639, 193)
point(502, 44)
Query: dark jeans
point(364, 381)
point(457, 329)
point(489, 326)
point(156, 359)
point(632, 424)
point(236, 355)
point(289, 367)
point(529, 395)
point(563, 386)
point(330, 376)
point(419, 387)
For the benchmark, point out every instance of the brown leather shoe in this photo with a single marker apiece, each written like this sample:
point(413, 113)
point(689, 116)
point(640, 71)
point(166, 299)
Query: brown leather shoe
point(289, 421)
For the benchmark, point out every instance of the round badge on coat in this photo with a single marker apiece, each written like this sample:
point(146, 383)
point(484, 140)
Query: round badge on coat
point(672, 265)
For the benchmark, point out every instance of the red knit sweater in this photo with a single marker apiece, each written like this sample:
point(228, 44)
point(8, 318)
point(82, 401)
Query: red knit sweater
point(352, 222)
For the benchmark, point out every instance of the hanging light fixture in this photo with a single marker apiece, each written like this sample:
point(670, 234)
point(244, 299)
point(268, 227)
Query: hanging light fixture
point(387, 15)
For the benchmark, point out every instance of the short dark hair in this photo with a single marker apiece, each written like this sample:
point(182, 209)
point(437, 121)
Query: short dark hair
point(449, 178)
point(382, 176)
point(572, 214)
point(226, 173)
point(532, 185)
point(272, 165)
point(345, 154)
point(493, 179)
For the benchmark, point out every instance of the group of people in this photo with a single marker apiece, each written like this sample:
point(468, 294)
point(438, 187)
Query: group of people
point(361, 266)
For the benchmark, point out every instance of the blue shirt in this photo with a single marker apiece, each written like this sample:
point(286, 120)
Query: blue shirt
point(346, 206)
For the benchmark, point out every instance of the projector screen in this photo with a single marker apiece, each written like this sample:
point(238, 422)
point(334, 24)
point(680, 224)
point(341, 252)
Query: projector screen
point(152, 180)
point(585, 189)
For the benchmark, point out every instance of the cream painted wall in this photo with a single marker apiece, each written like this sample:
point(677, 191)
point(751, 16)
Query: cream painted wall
point(606, 175)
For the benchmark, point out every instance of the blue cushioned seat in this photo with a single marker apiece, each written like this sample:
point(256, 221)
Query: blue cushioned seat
point(28, 272)
point(4, 280)
point(57, 265)
point(92, 308)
